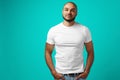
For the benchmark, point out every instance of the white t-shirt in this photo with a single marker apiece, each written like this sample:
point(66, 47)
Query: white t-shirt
point(69, 44)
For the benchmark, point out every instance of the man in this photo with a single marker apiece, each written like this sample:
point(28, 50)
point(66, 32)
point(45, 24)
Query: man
point(69, 39)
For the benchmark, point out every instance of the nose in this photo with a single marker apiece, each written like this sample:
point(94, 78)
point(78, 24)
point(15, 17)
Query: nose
point(69, 12)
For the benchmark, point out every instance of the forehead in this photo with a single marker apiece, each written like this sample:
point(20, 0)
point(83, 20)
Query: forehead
point(70, 5)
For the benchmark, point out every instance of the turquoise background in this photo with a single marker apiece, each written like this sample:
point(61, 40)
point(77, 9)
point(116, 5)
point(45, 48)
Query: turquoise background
point(23, 29)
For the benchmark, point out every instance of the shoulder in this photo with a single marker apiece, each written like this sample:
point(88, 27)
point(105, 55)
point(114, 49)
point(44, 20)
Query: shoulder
point(56, 27)
point(81, 26)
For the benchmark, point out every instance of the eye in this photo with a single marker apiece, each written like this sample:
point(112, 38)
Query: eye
point(73, 10)
point(65, 9)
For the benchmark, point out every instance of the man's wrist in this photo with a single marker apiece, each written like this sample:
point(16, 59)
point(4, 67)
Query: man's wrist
point(86, 71)
point(53, 71)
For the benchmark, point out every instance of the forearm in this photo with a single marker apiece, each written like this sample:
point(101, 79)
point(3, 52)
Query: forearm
point(90, 58)
point(49, 62)
point(51, 67)
point(89, 63)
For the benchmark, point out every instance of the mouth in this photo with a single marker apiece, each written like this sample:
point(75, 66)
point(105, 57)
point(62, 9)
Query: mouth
point(69, 16)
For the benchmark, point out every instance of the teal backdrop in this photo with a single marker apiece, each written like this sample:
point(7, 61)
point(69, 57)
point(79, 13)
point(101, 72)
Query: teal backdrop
point(24, 25)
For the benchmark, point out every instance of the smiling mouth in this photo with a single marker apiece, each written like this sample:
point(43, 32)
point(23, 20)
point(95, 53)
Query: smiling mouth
point(69, 16)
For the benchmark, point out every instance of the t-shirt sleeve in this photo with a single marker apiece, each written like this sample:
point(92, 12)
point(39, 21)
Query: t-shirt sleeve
point(88, 37)
point(50, 37)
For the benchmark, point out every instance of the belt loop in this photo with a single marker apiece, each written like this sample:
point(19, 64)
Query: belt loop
point(74, 75)
point(78, 73)
point(68, 75)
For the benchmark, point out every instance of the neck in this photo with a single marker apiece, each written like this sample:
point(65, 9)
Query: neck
point(68, 24)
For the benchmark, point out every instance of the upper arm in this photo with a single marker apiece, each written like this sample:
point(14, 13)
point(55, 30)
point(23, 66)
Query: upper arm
point(49, 48)
point(89, 47)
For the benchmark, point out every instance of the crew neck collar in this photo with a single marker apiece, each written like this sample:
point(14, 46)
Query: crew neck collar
point(68, 26)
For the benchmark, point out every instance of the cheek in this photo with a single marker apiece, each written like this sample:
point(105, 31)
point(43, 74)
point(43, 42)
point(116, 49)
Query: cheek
point(74, 14)
point(63, 13)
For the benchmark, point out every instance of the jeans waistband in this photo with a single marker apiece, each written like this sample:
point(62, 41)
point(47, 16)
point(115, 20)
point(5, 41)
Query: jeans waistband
point(72, 74)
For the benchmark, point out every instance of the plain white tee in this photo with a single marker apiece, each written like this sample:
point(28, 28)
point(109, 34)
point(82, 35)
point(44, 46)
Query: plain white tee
point(69, 44)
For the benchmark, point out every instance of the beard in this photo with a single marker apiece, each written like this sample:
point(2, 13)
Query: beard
point(69, 20)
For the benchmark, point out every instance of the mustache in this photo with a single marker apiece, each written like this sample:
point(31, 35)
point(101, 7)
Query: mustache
point(69, 20)
point(69, 15)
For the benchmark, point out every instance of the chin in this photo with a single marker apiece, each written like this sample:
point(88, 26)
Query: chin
point(69, 19)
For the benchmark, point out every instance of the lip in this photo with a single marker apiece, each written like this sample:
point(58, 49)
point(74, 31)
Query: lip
point(68, 15)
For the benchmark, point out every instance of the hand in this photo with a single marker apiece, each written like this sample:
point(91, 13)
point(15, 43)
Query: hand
point(58, 76)
point(82, 75)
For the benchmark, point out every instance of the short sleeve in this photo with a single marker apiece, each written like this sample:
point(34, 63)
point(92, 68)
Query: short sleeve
point(87, 35)
point(50, 37)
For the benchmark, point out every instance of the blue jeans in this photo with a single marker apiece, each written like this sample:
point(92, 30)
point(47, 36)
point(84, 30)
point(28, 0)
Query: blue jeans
point(67, 77)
